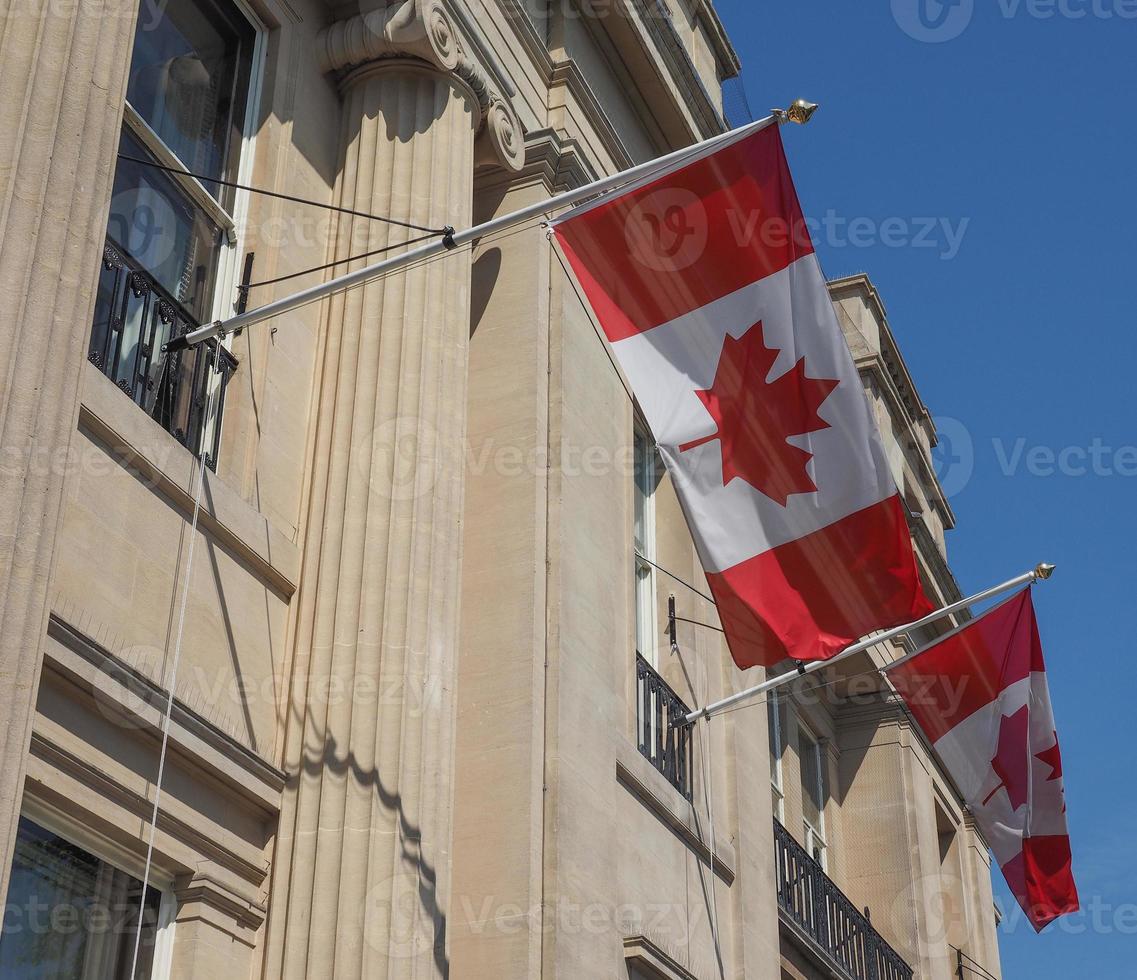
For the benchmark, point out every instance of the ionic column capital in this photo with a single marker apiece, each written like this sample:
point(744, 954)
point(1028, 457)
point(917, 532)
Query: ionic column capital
point(426, 30)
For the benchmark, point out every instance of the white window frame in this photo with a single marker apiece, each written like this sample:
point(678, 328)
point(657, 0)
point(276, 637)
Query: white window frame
point(234, 225)
point(777, 747)
point(81, 835)
point(645, 599)
point(816, 842)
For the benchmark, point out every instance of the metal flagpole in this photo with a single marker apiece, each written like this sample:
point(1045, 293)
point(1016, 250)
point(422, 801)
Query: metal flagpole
point(800, 112)
point(1043, 571)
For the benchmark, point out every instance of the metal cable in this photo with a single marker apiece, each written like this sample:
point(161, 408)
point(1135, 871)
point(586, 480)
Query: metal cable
point(676, 577)
point(277, 194)
point(977, 968)
point(172, 675)
point(331, 265)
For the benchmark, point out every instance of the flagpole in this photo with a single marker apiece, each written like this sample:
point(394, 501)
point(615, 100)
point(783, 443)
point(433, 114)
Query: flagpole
point(1043, 571)
point(799, 112)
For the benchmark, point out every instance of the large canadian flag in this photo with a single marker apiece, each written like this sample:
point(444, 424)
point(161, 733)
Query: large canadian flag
point(705, 281)
point(980, 694)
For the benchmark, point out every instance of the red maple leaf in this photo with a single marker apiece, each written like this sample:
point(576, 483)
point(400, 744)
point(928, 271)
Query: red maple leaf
point(755, 417)
point(1012, 757)
point(1052, 758)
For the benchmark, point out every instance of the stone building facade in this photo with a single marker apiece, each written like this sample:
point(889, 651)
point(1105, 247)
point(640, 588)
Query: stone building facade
point(420, 622)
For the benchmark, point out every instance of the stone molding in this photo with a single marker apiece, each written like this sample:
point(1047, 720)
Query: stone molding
point(640, 778)
point(426, 31)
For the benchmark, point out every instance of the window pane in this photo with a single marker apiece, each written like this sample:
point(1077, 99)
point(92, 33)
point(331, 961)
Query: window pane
point(155, 223)
point(775, 732)
point(645, 644)
point(189, 79)
point(642, 491)
point(812, 801)
point(71, 916)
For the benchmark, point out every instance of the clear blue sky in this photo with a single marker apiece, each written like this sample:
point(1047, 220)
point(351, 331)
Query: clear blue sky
point(1025, 128)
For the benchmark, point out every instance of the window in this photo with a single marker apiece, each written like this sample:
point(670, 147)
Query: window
point(70, 914)
point(813, 794)
point(774, 710)
point(189, 82)
point(169, 259)
point(646, 478)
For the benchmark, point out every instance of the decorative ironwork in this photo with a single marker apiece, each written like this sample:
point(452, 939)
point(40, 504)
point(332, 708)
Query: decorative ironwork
point(134, 317)
point(840, 934)
point(665, 744)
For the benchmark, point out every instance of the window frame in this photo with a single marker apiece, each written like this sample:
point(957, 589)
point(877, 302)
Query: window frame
point(816, 838)
point(234, 225)
point(122, 859)
point(646, 606)
point(774, 707)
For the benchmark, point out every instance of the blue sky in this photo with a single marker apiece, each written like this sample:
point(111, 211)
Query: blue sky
point(1018, 135)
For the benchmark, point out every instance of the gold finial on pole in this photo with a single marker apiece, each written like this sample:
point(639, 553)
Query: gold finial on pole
point(799, 112)
point(1044, 571)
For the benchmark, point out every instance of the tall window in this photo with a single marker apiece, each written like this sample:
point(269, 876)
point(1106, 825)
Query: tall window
point(647, 635)
point(813, 794)
point(774, 711)
point(72, 915)
point(169, 259)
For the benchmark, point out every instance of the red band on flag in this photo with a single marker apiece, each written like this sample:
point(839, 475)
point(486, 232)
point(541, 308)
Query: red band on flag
point(981, 695)
point(992, 653)
point(1042, 881)
point(821, 592)
point(689, 238)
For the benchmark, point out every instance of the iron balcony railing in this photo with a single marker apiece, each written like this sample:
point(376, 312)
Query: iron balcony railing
point(841, 935)
point(665, 745)
point(134, 317)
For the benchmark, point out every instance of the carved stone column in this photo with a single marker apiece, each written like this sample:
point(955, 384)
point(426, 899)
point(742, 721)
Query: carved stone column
point(362, 859)
point(62, 71)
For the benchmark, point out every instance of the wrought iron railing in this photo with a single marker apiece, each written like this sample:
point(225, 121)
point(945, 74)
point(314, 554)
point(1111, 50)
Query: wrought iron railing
point(666, 745)
point(134, 317)
point(842, 935)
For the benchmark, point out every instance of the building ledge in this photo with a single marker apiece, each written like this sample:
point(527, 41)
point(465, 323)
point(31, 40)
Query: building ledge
point(649, 959)
point(136, 442)
point(685, 820)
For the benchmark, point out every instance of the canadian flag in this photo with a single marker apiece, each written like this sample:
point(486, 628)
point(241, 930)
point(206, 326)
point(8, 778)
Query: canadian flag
point(705, 281)
point(980, 695)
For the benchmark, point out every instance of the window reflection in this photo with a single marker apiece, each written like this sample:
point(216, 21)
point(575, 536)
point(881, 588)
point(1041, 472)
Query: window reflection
point(157, 225)
point(189, 79)
point(70, 915)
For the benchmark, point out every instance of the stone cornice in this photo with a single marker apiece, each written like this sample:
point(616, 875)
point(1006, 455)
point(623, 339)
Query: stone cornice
point(552, 158)
point(708, 16)
point(568, 74)
point(426, 30)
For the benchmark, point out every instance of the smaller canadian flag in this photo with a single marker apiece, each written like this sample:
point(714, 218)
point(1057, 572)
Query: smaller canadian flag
point(980, 694)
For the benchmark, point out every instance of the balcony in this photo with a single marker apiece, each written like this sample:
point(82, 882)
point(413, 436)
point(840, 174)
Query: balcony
point(134, 317)
point(820, 915)
point(666, 746)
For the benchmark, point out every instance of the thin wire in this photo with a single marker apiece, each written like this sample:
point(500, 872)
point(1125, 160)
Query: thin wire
point(332, 265)
point(708, 789)
point(695, 622)
point(676, 577)
point(172, 677)
point(982, 970)
point(277, 194)
point(423, 262)
point(978, 972)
